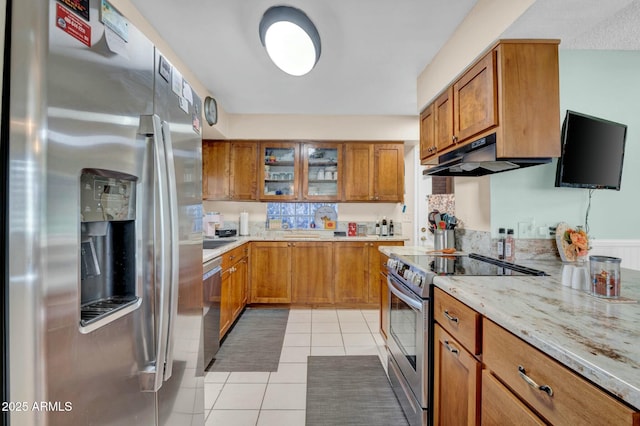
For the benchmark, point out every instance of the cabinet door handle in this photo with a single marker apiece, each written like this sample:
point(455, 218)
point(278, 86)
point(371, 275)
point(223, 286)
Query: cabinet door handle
point(451, 348)
point(544, 388)
point(449, 317)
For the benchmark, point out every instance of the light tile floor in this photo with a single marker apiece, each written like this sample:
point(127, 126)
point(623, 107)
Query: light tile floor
point(279, 398)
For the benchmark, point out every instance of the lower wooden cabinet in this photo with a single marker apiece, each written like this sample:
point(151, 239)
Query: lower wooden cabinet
point(520, 385)
point(225, 302)
point(456, 382)
point(377, 263)
point(312, 272)
point(379, 290)
point(351, 260)
point(270, 272)
point(234, 285)
point(555, 393)
point(239, 287)
point(305, 272)
point(501, 407)
point(384, 298)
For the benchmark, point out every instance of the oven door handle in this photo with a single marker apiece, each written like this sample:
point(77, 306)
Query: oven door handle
point(413, 303)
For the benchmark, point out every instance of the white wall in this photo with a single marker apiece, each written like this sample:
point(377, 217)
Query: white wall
point(473, 202)
point(599, 83)
point(238, 126)
point(481, 28)
point(347, 127)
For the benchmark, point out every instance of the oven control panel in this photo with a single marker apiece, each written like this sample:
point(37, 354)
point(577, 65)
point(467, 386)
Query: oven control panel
point(408, 273)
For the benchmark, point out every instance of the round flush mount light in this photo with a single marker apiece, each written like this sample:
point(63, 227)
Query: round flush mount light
point(290, 39)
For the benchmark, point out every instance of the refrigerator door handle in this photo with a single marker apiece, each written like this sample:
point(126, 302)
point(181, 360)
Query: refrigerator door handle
point(174, 244)
point(152, 377)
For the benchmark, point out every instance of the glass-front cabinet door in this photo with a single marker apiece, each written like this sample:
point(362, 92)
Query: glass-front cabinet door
point(322, 164)
point(280, 170)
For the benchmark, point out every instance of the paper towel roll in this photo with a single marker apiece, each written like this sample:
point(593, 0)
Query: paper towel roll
point(244, 223)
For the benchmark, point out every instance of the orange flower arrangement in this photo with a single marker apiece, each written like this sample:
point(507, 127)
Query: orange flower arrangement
point(575, 243)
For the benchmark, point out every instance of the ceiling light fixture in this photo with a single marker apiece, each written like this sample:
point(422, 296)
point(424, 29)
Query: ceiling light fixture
point(290, 38)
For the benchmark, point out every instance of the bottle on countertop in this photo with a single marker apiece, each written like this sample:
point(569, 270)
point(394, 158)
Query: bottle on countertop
point(377, 228)
point(509, 246)
point(391, 228)
point(501, 239)
point(384, 229)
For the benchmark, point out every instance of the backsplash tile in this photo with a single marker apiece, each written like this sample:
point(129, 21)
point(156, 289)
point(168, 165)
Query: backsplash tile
point(481, 242)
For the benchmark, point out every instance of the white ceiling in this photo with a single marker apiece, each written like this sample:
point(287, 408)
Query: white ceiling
point(372, 51)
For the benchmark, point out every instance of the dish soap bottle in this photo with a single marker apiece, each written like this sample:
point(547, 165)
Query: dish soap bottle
point(377, 228)
point(391, 228)
point(509, 246)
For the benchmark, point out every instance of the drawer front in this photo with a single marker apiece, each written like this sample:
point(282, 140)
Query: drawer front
point(231, 257)
point(459, 320)
point(552, 390)
point(501, 407)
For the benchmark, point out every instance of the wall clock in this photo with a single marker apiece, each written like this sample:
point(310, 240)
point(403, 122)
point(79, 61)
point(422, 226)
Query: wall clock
point(210, 110)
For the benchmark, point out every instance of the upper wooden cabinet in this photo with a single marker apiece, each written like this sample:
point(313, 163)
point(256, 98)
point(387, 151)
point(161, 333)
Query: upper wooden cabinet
point(229, 170)
point(279, 171)
point(215, 170)
point(428, 146)
point(388, 172)
point(374, 172)
point(358, 172)
point(443, 109)
point(303, 171)
point(243, 163)
point(512, 91)
point(321, 170)
point(475, 100)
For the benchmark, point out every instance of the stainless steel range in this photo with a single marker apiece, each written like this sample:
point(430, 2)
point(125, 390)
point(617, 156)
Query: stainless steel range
point(409, 344)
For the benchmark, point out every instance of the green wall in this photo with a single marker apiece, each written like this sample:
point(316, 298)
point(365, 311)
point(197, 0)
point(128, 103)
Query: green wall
point(605, 84)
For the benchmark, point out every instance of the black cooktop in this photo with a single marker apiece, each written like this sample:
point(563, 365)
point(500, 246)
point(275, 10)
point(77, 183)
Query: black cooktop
point(472, 264)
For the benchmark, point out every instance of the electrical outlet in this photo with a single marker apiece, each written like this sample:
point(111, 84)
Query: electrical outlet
point(526, 228)
point(545, 232)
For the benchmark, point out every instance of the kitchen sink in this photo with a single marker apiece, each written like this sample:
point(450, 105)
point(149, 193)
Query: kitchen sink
point(214, 244)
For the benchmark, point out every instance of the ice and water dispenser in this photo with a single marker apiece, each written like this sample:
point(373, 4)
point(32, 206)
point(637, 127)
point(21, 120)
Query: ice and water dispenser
point(108, 244)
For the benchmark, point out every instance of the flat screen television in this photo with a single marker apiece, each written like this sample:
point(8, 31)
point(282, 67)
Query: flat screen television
point(592, 152)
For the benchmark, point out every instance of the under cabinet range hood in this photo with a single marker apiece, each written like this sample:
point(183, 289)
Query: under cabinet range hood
point(478, 158)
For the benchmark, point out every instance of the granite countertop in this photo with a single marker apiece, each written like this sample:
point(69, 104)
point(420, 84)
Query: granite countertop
point(595, 337)
point(323, 236)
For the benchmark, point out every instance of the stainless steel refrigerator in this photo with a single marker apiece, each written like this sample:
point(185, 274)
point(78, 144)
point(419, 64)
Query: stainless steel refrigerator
point(101, 223)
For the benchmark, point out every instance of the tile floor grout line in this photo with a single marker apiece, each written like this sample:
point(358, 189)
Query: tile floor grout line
point(292, 319)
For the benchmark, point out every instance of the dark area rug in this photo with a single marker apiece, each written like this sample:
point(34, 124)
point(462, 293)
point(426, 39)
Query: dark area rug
point(350, 390)
point(254, 343)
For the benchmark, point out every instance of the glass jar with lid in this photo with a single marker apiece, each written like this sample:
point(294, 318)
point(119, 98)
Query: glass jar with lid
point(605, 276)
